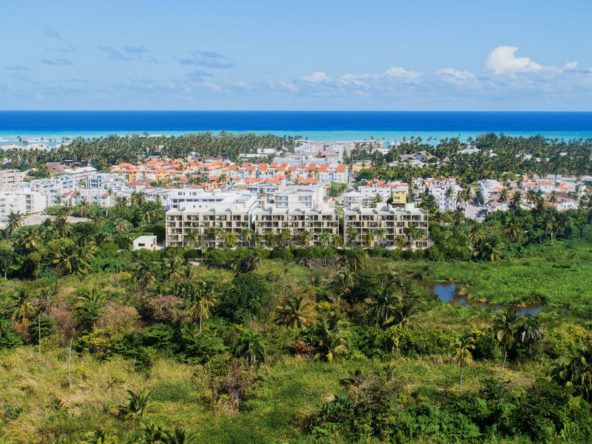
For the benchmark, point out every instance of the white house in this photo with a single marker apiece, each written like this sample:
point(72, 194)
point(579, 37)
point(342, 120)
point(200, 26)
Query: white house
point(145, 243)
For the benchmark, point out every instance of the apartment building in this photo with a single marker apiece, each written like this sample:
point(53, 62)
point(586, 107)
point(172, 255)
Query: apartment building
point(10, 178)
point(204, 222)
point(23, 202)
point(386, 226)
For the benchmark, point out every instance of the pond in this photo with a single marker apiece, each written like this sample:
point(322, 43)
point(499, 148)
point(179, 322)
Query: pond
point(448, 293)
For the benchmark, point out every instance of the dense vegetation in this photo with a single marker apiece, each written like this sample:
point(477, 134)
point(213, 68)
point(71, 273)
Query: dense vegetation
point(104, 152)
point(498, 157)
point(102, 344)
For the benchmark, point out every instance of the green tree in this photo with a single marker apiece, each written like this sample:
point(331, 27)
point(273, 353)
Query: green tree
point(295, 312)
point(249, 346)
point(463, 355)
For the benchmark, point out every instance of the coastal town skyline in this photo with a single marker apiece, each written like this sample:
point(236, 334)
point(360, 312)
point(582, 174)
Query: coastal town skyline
point(260, 55)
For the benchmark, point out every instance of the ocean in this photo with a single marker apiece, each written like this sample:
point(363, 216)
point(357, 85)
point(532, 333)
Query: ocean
point(52, 127)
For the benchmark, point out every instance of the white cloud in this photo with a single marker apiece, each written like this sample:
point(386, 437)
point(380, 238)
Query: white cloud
point(503, 60)
point(317, 77)
point(398, 73)
point(453, 75)
point(569, 66)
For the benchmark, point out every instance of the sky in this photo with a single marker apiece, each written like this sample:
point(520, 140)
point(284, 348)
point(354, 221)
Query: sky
point(296, 55)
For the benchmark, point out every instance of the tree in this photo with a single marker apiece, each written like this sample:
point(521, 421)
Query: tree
point(88, 307)
point(504, 327)
point(13, 223)
point(463, 355)
point(6, 257)
point(144, 275)
point(230, 239)
point(135, 404)
point(530, 333)
point(69, 258)
point(305, 237)
point(325, 238)
point(249, 346)
point(201, 300)
point(576, 372)
point(330, 338)
point(352, 235)
point(295, 312)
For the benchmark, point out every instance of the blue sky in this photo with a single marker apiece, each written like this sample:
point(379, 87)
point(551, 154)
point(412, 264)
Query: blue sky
point(322, 54)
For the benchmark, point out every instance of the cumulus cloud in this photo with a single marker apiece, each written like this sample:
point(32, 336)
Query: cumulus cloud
point(456, 76)
point(129, 54)
point(317, 77)
point(399, 73)
point(57, 62)
point(207, 59)
point(503, 60)
point(51, 32)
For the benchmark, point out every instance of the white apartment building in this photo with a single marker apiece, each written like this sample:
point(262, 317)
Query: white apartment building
point(489, 189)
point(10, 178)
point(23, 202)
point(386, 227)
point(444, 190)
point(203, 222)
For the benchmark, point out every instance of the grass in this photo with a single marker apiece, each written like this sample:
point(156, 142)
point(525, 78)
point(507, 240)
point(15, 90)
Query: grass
point(37, 400)
point(559, 275)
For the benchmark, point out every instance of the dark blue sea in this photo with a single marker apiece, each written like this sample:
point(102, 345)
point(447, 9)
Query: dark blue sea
point(321, 125)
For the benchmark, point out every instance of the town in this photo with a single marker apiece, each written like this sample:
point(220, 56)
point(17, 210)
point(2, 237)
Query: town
point(307, 196)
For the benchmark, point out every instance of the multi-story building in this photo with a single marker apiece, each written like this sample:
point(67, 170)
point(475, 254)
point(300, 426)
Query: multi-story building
point(386, 226)
point(205, 222)
point(10, 178)
point(445, 191)
point(23, 202)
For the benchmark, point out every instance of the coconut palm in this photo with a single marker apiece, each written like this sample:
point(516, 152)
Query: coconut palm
point(13, 223)
point(325, 238)
point(305, 237)
point(135, 404)
point(201, 298)
point(530, 333)
point(230, 239)
point(295, 312)
point(352, 235)
point(505, 327)
point(249, 346)
point(463, 355)
point(330, 338)
point(576, 371)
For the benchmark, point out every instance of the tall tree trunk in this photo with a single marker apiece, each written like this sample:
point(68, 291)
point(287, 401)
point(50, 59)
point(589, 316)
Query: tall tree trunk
point(460, 378)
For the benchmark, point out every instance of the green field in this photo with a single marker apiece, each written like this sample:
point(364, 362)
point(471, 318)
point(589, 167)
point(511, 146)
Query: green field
point(558, 275)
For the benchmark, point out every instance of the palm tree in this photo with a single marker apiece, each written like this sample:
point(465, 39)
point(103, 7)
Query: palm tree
point(30, 241)
point(201, 300)
point(463, 355)
point(284, 237)
point(530, 333)
point(325, 238)
point(248, 236)
point(72, 259)
point(503, 195)
point(23, 308)
point(249, 346)
point(576, 372)
point(295, 312)
point(369, 238)
point(13, 223)
point(516, 200)
point(380, 234)
point(352, 235)
point(336, 240)
point(504, 327)
point(230, 239)
point(305, 237)
point(144, 275)
point(135, 405)
point(331, 338)
point(87, 308)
